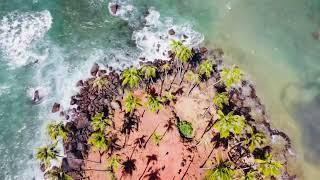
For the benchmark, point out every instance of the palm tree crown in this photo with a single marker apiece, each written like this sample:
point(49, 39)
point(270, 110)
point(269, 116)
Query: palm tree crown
point(255, 140)
point(206, 68)
point(181, 51)
point(229, 123)
point(221, 99)
point(131, 77)
point(99, 123)
point(57, 130)
point(131, 103)
point(99, 141)
point(193, 77)
point(148, 72)
point(153, 103)
point(231, 76)
point(100, 83)
point(269, 167)
point(47, 153)
point(221, 172)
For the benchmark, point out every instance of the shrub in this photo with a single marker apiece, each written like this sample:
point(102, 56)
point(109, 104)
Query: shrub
point(186, 129)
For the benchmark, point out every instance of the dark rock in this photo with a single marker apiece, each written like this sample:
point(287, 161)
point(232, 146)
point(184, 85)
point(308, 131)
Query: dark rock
point(316, 35)
point(82, 147)
point(36, 96)
point(79, 83)
point(55, 108)
point(94, 69)
point(81, 122)
point(73, 101)
point(62, 113)
point(172, 32)
point(203, 50)
point(114, 8)
point(185, 36)
point(101, 72)
point(42, 167)
point(115, 105)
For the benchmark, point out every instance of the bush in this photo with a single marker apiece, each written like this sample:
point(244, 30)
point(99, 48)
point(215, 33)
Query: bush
point(185, 129)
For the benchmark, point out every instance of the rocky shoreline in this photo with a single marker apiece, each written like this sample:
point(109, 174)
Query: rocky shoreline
point(104, 92)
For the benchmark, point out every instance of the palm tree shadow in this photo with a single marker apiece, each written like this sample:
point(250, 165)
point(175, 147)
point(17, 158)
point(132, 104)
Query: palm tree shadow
point(153, 175)
point(139, 142)
point(150, 158)
point(128, 166)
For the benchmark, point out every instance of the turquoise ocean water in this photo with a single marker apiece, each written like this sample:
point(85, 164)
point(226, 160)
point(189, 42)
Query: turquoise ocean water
point(49, 45)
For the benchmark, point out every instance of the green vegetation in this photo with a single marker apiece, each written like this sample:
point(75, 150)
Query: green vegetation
point(156, 138)
point(99, 122)
point(154, 103)
point(221, 99)
point(99, 141)
point(57, 174)
point(231, 76)
point(168, 96)
point(131, 77)
point(56, 130)
point(186, 129)
point(255, 140)
point(193, 78)
point(229, 123)
point(114, 163)
point(221, 172)
point(181, 51)
point(251, 175)
point(100, 83)
point(131, 103)
point(149, 72)
point(269, 167)
point(206, 68)
point(47, 153)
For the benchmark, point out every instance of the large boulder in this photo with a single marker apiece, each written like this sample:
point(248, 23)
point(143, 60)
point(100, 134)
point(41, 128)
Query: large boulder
point(94, 69)
point(55, 108)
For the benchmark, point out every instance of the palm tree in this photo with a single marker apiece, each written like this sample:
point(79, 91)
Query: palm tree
point(153, 103)
point(56, 130)
point(156, 138)
point(229, 123)
point(149, 72)
point(56, 173)
point(99, 123)
point(220, 172)
point(165, 68)
point(231, 76)
point(251, 175)
point(221, 99)
point(100, 83)
point(182, 52)
point(131, 77)
point(168, 97)
point(99, 141)
point(255, 140)
point(269, 167)
point(47, 153)
point(206, 68)
point(193, 78)
point(114, 163)
point(131, 103)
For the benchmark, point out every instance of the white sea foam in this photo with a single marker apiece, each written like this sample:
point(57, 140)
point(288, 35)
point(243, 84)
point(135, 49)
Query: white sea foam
point(4, 89)
point(18, 31)
point(125, 11)
point(154, 40)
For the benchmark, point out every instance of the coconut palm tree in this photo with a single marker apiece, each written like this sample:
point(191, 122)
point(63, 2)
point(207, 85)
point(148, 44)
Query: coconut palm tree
point(99, 122)
point(206, 68)
point(56, 130)
point(149, 72)
point(193, 78)
point(182, 53)
point(165, 68)
point(269, 167)
point(255, 140)
point(156, 138)
point(168, 97)
point(46, 154)
point(154, 103)
point(99, 141)
point(56, 173)
point(114, 163)
point(131, 77)
point(131, 103)
point(220, 172)
point(229, 123)
point(221, 99)
point(100, 83)
point(231, 76)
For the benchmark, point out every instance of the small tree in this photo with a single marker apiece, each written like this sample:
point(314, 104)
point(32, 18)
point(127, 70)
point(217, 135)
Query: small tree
point(114, 163)
point(149, 72)
point(165, 68)
point(193, 78)
point(47, 153)
point(100, 83)
point(56, 130)
point(231, 76)
point(131, 103)
point(99, 122)
point(130, 77)
point(251, 175)
point(56, 173)
point(206, 68)
point(99, 141)
point(269, 167)
point(156, 138)
point(221, 99)
point(229, 123)
point(220, 172)
point(255, 140)
point(153, 103)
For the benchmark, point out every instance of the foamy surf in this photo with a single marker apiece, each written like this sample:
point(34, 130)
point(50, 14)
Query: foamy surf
point(18, 32)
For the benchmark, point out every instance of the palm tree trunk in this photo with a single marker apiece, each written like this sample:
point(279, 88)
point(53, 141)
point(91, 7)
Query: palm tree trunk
point(145, 144)
point(205, 162)
point(193, 86)
point(185, 173)
point(144, 171)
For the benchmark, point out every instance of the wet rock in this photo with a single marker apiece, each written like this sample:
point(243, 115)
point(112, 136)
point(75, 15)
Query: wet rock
point(73, 101)
point(79, 83)
point(171, 32)
point(316, 35)
point(55, 108)
point(115, 105)
point(114, 8)
point(101, 72)
point(81, 122)
point(42, 167)
point(94, 69)
point(185, 36)
point(203, 50)
point(36, 96)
